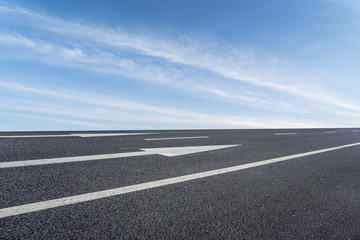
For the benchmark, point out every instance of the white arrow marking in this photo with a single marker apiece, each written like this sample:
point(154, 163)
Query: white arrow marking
point(169, 152)
point(38, 206)
point(78, 135)
point(177, 151)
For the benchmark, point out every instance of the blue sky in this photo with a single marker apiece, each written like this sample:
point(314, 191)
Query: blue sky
point(84, 65)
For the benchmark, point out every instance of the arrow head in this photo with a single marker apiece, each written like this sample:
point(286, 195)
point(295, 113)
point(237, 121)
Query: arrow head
point(178, 151)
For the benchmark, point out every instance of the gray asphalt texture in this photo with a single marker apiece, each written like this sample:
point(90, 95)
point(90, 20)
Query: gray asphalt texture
point(313, 197)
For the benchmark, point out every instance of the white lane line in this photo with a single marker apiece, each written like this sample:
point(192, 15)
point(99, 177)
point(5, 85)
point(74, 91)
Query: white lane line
point(174, 138)
point(279, 134)
point(35, 136)
point(33, 207)
point(168, 152)
point(77, 135)
point(108, 134)
point(330, 132)
point(355, 130)
point(46, 161)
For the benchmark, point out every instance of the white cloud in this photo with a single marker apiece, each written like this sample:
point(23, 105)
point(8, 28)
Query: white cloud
point(225, 62)
point(106, 112)
point(352, 5)
point(104, 101)
point(62, 120)
point(198, 67)
point(104, 62)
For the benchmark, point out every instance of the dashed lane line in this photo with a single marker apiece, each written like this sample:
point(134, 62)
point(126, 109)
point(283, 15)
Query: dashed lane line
point(174, 138)
point(280, 134)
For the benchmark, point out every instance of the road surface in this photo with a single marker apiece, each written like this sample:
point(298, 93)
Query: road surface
point(185, 184)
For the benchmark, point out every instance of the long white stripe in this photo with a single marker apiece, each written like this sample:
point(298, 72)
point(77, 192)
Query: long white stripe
point(330, 132)
point(77, 135)
point(35, 136)
point(69, 159)
point(33, 207)
point(174, 138)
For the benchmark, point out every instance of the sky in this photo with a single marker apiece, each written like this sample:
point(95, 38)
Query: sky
point(168, 64)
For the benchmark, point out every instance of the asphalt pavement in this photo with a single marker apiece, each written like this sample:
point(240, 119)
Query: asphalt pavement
point(181, 184)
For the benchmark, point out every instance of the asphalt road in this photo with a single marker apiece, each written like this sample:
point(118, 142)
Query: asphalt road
point(315, 196)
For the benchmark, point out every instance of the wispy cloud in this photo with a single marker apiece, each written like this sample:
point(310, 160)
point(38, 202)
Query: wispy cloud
point(62, 120)
point(106, 112)
point(164, 60)
point(352, 5)
point(103, 101)
point(108, 63)
point(197, 67)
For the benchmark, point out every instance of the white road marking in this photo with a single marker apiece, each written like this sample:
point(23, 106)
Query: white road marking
point(108, 134)
point(279, 134)
point(355, 130)
point(78, 135)
point(33, 207)
point(330, 132)
point(35, 136)
point(174, 138)
point(177, 151)
point(169, 152)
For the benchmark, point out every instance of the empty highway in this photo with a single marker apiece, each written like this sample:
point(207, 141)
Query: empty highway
point(181, 184)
